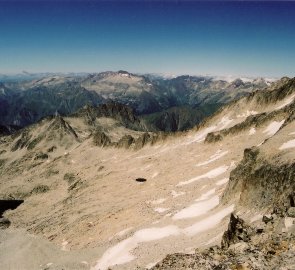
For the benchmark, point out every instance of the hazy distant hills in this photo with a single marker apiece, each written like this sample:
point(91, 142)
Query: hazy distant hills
point(167, 104)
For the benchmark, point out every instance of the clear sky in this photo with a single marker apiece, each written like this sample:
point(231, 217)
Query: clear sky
point(178, 37)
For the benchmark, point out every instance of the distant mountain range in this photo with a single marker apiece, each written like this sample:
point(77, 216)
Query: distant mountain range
point(167, 104)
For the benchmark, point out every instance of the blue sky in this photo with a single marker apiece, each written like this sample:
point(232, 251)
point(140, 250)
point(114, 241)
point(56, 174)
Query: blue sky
point(178, 37)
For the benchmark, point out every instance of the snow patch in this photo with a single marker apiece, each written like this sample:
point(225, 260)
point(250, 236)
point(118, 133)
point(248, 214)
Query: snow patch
point(197, 209)
point(289, 222)
point(211, 174)
point(289, 144)
point(202, 135)
point(121, 253)
point(219, 154)
point(158, 201)
point(252, 131)
point(224, 122)
point(161, 209)
point(286, 102)
point(221, 182)
point(209, 222)
point(246, 114)
point(64, 245)
point(177, 194)
point(206, 195)
point(273, 128)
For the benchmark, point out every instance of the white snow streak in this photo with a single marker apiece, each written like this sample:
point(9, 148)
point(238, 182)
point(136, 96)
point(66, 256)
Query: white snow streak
point(273, 128)
point(209, 222)
point(286, 102)
point(177, 194)
point(211, 174)
point(289, 144)
point(197, 209)
point(121, 252)
point(219, 154)
point(221, 182)
point(161, 210)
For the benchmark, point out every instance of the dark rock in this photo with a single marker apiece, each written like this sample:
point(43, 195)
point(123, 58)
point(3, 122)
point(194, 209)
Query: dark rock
point(267, 218)
point(140, 179)
point(101, 139)
point(73, 180)
point(39, 189)
point(213, 137)
point(41, 156)
point(142, 140)
point(4, 223)
point(51, 149)
point(237, 231)
point(126, 141)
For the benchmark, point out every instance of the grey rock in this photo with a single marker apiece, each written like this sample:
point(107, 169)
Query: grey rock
point(4, 223)
point(291, 212)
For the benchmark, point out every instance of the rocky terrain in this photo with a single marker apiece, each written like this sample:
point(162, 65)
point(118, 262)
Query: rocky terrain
point(228, 182)
point(185, 100)
point(261, 246)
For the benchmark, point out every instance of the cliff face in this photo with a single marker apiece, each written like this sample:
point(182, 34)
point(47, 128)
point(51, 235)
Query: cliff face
point(261, 182)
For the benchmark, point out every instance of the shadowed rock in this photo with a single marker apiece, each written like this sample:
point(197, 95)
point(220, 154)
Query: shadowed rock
point(237, 231)
point(101, 139)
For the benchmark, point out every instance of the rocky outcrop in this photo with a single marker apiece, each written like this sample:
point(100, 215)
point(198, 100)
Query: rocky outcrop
point(101, 139)
point(237, 231)
point(279, 91)
point(58, 130)
point(142, 140)
point(243, 248)
point(261, 182)
point(122, 113)
point(59, 127)
point(125, 142)
point(251, 121)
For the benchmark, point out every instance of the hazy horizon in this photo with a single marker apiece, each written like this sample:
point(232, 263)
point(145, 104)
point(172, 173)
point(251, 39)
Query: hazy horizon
point(219, 38)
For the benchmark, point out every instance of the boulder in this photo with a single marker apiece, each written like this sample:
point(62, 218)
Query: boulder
point(291, 212)
point(4, 223)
